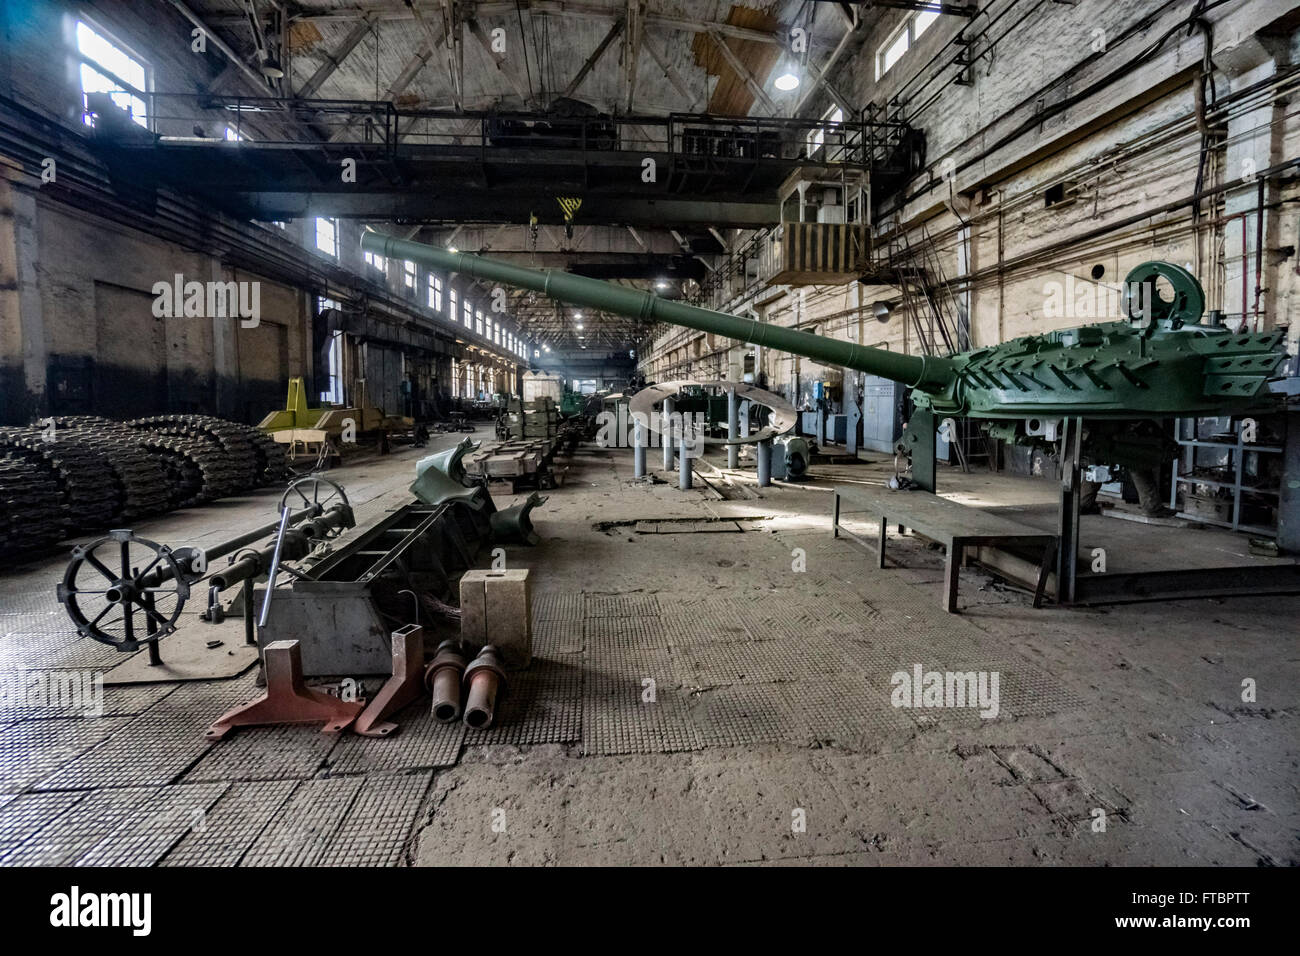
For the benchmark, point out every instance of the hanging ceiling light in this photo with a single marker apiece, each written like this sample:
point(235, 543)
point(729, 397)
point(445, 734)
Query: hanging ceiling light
point(787, 79)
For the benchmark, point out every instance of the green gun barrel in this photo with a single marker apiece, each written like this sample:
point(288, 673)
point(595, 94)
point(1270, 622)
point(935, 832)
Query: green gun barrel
point(927, 373)
point(1173, 365)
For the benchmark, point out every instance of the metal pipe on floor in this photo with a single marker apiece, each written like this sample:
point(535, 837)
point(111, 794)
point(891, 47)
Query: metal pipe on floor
point(733, 429)
point(765, 463)
point(666, 434)
point(638, 449)
point(484, 679)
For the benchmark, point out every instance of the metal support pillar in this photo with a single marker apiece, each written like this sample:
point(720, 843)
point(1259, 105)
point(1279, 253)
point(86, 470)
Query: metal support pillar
point(683, 460)
point(852, 410)
point(666, 435)
point(765, 463)
point(638, 449)
point(1067, 559)
point(920, 436)
point(733, 429)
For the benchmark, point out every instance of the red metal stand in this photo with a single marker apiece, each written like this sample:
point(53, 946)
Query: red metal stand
point(287, 699)
point(406, 684)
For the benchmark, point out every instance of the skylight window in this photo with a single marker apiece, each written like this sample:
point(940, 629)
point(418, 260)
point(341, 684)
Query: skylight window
point(327, 236)
point(106, 67)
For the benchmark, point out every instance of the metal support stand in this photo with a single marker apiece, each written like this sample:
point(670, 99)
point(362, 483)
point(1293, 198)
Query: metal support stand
point(151, 628)
point(405, 686)
point(250, 620)
point(765, 463)
point(920, 437)
point(666, 435)
point(733, 429)
point(638, 449)
point(287, 700)
point(1067, 560)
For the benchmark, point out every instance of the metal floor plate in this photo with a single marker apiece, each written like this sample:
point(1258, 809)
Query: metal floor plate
point(33, 750)
point(422, 742)
point(81, 828)
point(27, 814)
point(168, 815)
point(378, 826)
point(265, 753)
point(151, 750)
point(300, 831)
point(232, 825)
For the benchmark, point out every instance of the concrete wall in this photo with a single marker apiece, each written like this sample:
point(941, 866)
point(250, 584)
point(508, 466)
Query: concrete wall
point(78, 263)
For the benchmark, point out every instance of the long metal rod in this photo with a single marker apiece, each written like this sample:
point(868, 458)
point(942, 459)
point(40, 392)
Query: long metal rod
point(275, 568)
point(924, 372)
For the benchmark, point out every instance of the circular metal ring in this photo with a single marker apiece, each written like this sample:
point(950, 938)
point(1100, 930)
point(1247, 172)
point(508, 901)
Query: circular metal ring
point(147, 612)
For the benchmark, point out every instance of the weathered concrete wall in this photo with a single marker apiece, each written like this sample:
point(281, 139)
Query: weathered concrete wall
point(81, 336)
point(77, 330)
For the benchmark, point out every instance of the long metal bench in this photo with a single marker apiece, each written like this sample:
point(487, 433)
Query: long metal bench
point(955, 526)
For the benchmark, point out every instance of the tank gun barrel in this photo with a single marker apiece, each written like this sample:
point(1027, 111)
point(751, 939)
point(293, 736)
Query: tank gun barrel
point(927, 373)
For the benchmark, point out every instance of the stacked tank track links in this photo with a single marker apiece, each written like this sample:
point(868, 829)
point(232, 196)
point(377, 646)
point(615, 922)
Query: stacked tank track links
point(87, 493)
point(31, 513)
point(239, 453)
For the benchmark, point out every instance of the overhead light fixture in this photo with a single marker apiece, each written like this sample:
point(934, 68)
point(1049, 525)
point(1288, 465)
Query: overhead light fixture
point(452, 249)
point(787, 81)
point(577, 315)
point(661, 284)
point(579, 326)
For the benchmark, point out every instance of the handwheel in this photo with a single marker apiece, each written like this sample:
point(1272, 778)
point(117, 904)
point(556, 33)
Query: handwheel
point(134, 587)
point(317, 493)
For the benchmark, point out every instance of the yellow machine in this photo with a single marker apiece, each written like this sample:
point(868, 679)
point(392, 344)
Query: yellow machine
point(309, 430)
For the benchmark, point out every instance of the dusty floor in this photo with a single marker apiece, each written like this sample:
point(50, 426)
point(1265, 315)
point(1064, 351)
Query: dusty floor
point(768, 648)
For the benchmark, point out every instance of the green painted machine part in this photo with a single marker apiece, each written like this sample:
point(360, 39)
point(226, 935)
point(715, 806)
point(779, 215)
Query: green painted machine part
point(572, 403)
point(440, 477)
point(1171, 366)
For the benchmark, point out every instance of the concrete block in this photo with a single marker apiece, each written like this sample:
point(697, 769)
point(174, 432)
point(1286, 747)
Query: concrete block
point(496, 608)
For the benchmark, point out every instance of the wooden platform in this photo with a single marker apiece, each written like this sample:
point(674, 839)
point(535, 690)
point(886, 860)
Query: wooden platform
point(955, 526)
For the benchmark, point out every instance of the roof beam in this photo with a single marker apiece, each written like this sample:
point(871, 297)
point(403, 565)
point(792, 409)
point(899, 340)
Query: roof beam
point(225, 49)
point(742, 71)
point(563, 8)
point(413, 66)
point(592, 60)
point(334, 60)
point(822, 74)
point(455, 48)
point(632, 36)
point(670, 73)
point(499, 60)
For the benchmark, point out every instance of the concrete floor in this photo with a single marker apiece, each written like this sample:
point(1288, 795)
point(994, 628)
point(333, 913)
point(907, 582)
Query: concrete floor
point(771, 737)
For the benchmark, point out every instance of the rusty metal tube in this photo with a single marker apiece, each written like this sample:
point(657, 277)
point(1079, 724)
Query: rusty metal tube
point(443, 678)
point(481, 706)
point(485, 679)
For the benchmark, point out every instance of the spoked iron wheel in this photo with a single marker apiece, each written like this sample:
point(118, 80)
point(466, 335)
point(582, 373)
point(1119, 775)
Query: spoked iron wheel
point(314, 492)
point(124, 590)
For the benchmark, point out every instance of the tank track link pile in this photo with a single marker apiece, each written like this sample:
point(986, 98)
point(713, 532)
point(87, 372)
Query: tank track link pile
point(92, 473)
point(89, 495)
point(31, 511)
